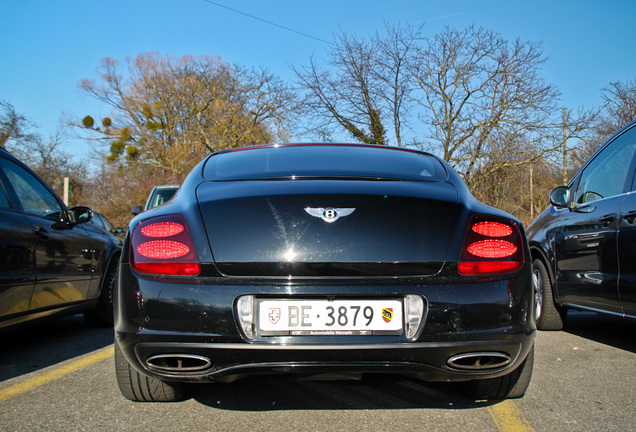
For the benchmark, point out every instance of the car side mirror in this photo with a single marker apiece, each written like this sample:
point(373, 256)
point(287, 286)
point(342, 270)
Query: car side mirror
point(74, 216)
point(80, 214)
point(559, 197)
point(136, 210)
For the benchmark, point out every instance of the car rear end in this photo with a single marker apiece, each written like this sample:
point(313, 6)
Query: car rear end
point(258, 268)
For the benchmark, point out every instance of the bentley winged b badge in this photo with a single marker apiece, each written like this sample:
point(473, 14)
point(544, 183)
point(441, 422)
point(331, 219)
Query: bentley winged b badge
point(329, 214)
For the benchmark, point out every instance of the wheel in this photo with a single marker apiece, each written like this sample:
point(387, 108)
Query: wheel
point(510, 386)
point(548, 315)
point(102, 315)
point(137, 387)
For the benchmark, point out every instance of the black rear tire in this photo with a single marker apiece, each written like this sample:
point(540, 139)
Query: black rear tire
point(551, 316)
point(137, 387)
point(510, 386)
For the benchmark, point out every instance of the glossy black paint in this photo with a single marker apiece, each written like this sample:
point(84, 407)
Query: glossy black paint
point(50, 263)
point(252, 231)
point(166, 316)
point(588, 244)
point(405, 237)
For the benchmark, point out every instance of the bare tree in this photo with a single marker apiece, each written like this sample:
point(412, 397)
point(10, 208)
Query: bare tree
point(391, 69)
point(484, 98)
point(576, 126)
point(363, 85)
point(619, 105)
point(618, 109)
point(115, 191)
point(345, 98)
point(14, 127)
point(270, 102)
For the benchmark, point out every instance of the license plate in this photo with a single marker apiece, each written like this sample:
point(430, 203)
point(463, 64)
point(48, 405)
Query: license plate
point(330, 317)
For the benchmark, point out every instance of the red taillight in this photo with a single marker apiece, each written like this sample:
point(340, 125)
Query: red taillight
point(491, 247)
point(492, 229)
point(164, 245)
point(162, 229)
point(163, 249)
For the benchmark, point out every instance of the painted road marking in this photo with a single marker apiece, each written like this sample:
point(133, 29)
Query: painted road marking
point(32, 383)
point(509, 418)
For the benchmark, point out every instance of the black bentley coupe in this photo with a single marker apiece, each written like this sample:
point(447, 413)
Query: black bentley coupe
point(322, 258)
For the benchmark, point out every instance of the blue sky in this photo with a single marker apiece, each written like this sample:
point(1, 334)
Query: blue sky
point(47, 47)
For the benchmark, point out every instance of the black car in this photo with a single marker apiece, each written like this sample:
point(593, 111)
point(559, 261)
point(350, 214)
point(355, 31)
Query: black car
point(583, 245)
point(52, 263)
point(101, 221)
point(321, 258)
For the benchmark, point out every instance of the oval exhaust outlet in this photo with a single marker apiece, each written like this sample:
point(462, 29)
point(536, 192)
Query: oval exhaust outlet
point(178, 362)
point(479, 360)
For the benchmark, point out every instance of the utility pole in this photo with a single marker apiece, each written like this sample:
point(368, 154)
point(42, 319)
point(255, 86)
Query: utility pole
point(565, 150)
point(66, 188)
point(531, 193)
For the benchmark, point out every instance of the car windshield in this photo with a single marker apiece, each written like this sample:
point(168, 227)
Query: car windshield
point(324, 160)
point(107, 225)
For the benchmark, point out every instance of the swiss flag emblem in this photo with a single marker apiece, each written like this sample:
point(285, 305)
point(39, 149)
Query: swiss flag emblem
point(274, 315)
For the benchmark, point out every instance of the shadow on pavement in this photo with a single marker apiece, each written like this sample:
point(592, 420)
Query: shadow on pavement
point(615, 332)
point(37, 347)
point(372, 392)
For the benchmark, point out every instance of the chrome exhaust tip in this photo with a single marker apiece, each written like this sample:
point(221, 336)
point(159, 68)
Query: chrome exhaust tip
point(178, 363)
point(479, 361)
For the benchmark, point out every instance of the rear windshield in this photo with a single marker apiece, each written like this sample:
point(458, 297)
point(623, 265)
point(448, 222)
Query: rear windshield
point(324, 161)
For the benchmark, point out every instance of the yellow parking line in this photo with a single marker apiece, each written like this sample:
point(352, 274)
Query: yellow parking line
point(509, 418)
point(32, 383)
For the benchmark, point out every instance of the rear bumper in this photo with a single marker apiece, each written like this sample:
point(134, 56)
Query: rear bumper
point(427, 361)
point(188, 330)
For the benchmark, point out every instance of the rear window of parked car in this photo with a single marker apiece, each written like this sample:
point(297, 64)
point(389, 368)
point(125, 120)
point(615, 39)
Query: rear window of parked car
point(315, 161)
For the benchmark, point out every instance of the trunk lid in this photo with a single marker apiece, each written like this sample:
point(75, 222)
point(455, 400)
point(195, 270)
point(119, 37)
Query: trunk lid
point(302, 228)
